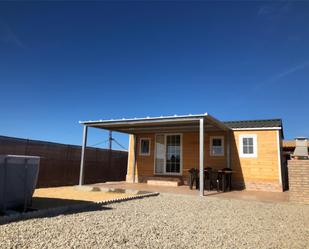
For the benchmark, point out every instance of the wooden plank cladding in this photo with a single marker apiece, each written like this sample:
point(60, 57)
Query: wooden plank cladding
point(254, 173)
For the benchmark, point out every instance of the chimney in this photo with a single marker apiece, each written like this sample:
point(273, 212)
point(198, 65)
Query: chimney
point(301, 149)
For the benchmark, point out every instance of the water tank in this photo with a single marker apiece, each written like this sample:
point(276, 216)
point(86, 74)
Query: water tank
point(18, 178)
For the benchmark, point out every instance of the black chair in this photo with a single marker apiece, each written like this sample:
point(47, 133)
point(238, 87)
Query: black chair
point(193, 177)
point(216, 180)
point(226, 179)
point(207, 178)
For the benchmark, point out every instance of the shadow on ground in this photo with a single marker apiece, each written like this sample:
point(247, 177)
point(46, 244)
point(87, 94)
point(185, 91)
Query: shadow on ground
point(50, 207)
point(39, 203)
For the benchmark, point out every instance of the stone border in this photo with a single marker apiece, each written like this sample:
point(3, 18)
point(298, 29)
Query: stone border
point(50, 212)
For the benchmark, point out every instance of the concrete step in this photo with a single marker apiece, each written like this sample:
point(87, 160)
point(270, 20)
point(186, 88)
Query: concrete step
point(164, 182)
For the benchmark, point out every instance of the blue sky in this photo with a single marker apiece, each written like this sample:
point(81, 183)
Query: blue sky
point(61, 62)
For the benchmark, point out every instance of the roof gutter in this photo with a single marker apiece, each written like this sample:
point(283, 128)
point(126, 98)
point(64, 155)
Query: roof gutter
point(257, 128)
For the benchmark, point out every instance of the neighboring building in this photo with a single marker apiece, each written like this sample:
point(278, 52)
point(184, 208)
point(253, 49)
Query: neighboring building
point(288, 147)
point(167, 147)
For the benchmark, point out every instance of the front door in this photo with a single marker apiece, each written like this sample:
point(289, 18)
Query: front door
point(168, 158)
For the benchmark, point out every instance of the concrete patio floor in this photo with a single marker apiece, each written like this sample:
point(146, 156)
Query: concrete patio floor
point(236, 194)
point(44, 198)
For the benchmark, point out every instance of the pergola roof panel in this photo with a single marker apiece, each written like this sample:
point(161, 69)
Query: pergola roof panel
point(163, 123)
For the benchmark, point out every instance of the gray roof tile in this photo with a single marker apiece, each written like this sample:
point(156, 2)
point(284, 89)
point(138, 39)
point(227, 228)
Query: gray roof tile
point(266, 123)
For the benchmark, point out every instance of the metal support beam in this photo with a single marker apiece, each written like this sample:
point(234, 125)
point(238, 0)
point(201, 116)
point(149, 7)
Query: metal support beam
point(228, 149)
point(82, 161)
point(134, 159)
point(201, 157)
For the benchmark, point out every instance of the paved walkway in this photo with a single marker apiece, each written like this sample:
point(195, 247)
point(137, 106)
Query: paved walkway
point(243, 194)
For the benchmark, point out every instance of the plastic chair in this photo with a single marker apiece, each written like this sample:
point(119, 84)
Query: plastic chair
point(226, 180)
point(216, 180)
point(193, 177)
point(207, 178)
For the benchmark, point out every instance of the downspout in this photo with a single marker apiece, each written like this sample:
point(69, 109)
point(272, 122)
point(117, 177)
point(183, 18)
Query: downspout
point(279, 157)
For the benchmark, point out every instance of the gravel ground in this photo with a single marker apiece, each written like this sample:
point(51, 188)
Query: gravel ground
point(168, 221)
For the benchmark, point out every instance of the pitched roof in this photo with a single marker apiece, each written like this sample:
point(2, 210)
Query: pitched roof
point(262, 123)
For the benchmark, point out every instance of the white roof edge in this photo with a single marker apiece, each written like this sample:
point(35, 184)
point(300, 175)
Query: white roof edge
point(145, 118)
point(256, 128)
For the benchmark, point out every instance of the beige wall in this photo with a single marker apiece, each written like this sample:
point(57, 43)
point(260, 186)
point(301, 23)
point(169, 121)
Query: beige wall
point(260, 173)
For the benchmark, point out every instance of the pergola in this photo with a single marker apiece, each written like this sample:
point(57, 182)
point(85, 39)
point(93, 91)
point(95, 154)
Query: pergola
point(187, 123)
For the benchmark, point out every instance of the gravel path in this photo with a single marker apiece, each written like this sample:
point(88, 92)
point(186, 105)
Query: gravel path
point(168, 221)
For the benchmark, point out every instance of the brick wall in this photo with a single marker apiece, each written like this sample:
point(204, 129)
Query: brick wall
point(299, 180)
point(60, 163)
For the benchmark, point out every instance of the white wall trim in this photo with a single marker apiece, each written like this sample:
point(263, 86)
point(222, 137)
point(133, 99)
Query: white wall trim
point(279, 157)
point(256, 129)
point(255, 147)
point(140, 146)
point(210, 146)
point(228, 150)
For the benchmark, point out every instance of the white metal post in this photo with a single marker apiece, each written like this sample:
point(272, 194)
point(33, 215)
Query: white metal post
point(82, 161)
point(201, 157)
point(228, 150)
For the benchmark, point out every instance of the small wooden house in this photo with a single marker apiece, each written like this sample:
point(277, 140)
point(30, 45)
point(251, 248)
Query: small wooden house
point(163, 149)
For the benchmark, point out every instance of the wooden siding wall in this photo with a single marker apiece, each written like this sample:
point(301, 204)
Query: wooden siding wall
point(145, 164)
point(190, 154)
point(260, 173)
point(265, 165)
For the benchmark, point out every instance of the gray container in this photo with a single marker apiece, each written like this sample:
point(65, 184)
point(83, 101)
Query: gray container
point(18, 178)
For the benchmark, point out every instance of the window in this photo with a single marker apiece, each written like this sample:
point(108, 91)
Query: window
point(248, 145)
point(144, 149)
point(173, 154)
point(216, 146)
point(160, 154)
